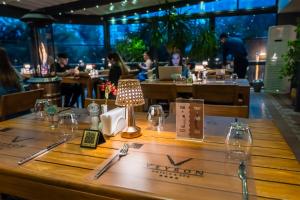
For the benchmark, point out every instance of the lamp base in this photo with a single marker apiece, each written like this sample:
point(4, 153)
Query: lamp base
point(131, 132)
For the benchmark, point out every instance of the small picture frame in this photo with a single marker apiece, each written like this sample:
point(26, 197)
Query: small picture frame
point(90, 138)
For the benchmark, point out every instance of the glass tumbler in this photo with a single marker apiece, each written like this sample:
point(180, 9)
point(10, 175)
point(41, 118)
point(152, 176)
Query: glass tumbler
point(156, 117)
point(238, 141)
point(67, 125)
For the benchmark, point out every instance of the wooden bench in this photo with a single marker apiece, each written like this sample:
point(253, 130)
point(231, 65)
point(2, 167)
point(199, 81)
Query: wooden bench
point(18, 102)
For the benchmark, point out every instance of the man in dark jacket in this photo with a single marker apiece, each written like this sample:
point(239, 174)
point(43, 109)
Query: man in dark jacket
point(235, 47)
point(70, 91)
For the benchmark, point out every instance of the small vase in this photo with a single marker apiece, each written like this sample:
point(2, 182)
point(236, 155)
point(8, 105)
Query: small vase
point(103, 108)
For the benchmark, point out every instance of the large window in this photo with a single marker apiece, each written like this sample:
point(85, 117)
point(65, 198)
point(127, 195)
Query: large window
point(252, 29)
point(119, 32)
point(80, 42)
point(14, 37)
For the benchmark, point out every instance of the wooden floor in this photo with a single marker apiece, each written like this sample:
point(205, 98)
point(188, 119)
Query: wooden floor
point(279, 108)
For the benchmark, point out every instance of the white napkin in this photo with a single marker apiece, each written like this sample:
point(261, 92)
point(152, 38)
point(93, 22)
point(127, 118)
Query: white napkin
point(113, 121)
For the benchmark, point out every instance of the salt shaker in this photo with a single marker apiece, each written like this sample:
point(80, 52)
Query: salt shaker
point(94, 110)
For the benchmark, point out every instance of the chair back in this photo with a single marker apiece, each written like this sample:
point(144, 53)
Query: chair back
point(18, 102)
point(128, 76)
point(226, 110)
point(159, 91)
point(220, 110)
point(216, 94)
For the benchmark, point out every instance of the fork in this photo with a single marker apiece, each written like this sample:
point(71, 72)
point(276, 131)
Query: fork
point(243, 176)
point(123, 152)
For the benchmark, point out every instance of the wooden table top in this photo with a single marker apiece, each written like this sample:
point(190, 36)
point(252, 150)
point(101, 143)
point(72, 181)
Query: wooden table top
point(66, 172)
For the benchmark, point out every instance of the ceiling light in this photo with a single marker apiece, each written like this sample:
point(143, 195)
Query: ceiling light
point(134, 1)
point(111, 7)
point(97, 6)
point(3, 2)
point(60, 13)
point(124, 3)
point(84, 9)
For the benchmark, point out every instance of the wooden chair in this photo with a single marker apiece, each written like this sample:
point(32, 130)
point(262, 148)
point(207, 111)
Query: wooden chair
point(110, 104)
point(220, 110)
point(216, 94)
point(161, 91)
point(226, 110)
point(128, 76)
point(19, 102)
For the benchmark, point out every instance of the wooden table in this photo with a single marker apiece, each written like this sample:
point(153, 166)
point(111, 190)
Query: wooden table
point(66, 172)
point(86, 81)
point(243, 89)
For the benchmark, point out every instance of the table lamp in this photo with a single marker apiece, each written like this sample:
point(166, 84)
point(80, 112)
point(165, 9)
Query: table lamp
point(129, 95)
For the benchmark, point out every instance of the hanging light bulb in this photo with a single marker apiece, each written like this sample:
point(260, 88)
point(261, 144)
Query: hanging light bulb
point(134, 2)
point(111, 7)
point(124, 3)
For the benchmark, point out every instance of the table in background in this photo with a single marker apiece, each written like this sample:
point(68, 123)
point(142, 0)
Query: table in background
point(85, 81)
point(183, 87)
point(66, 172)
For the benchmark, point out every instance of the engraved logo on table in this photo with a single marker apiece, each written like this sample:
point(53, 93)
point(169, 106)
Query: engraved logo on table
point(174, 172)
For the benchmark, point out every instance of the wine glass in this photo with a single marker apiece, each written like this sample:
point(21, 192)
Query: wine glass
point(67, 125)
point(238, 141)
point(40, 107)
point(156, 117)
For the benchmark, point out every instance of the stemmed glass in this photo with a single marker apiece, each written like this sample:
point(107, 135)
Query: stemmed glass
point(156, 117)
point(67, 125)
point(238, 141)
point(40, 107)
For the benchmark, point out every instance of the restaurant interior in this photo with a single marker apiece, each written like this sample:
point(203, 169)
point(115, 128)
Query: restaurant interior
point(149, 99)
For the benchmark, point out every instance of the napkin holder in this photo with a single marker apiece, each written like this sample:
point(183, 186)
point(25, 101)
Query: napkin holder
point(113, 121)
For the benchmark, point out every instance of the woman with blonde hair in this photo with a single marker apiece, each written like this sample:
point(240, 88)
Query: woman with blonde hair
point(10, 81)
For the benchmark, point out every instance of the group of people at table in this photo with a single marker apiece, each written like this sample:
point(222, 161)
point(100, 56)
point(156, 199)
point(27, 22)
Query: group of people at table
point(11, 81)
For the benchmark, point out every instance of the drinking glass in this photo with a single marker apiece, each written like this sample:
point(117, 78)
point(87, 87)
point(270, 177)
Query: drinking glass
point(156, 117)
point(52, 111)
point(40, 108)
point(234, 76)
point(67, 125)
point(238, 141)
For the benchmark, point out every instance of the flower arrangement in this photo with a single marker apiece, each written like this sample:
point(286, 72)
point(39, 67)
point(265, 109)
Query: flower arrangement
point(108, 88)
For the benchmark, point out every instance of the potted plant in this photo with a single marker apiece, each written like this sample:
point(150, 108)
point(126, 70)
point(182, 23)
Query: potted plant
point(204, 46)
point(131, 49)
point(291, 67)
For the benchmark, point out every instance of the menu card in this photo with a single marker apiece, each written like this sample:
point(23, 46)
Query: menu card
point(190, 119)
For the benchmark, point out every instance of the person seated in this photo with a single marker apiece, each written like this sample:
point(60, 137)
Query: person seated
point(176, 60)
point(117, 68)
point(10, 80)
point(70, 91)
point(145, 67)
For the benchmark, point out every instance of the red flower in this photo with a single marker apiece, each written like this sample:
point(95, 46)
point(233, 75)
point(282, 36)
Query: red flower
point(102, 87)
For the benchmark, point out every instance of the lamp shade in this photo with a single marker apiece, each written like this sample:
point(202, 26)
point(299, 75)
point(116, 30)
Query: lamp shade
point(129, 93)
